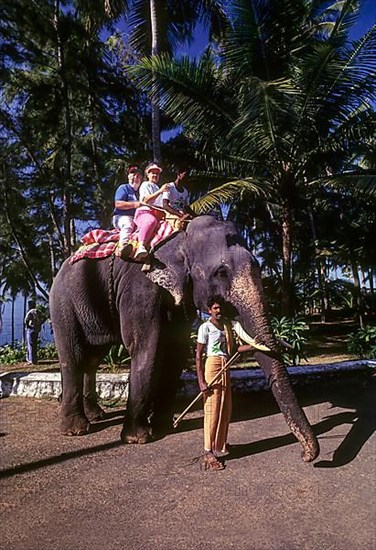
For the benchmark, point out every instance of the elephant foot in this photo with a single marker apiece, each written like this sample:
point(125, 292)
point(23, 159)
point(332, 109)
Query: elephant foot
point(138, 436)
point(93, 411)
point(75, 425)
point(162, 425)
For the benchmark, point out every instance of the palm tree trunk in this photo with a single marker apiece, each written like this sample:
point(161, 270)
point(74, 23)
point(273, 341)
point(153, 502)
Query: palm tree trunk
point(371, 275)
point(67, 146)
point(320, 267)
point(357, 292)
point(286, 263)
point(155, 114)
point(12, 325)
point(52, 255)
point(23, 317)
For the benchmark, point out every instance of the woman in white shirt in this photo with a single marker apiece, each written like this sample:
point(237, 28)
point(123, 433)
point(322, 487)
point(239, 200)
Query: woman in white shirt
point(147, 218)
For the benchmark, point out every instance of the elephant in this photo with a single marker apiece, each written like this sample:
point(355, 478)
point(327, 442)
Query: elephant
point(95, 304)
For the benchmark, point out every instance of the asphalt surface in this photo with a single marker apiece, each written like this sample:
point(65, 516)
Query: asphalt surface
point(94, 493)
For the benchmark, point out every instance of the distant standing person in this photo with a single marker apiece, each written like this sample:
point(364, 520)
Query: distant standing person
point(33, 323)
point(176, 200)
point(126, 202)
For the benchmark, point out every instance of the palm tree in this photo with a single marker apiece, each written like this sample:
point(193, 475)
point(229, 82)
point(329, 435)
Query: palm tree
point(283, 110)
point(161, 26)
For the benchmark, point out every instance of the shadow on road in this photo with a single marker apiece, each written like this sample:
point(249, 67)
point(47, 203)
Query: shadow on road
point(30, 466)
point(361, 398)
point(357, 394)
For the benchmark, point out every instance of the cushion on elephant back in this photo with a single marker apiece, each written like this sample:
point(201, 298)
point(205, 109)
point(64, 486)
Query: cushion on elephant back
point(101, 243)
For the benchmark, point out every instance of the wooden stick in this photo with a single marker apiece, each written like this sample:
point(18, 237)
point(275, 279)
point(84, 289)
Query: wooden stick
point(217, 376)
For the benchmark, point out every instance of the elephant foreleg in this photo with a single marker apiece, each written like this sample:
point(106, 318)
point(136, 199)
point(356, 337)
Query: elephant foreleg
point(142, 384)
point(176, 351)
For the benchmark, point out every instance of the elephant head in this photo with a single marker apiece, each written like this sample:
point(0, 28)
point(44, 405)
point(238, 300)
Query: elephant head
point(210, 258)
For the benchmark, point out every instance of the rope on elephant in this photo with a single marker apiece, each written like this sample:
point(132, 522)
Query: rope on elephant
point(111, 290)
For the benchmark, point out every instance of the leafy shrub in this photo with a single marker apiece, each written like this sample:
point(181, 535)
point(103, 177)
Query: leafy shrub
point(12, 353)
point(291, 331)
point(48, 352)
point(117, 357)
point(16, 353)
point(362, 343)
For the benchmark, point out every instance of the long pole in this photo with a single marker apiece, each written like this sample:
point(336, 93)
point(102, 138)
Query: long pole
point(217, 376)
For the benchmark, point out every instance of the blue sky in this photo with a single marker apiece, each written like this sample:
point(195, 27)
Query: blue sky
point(367, 18)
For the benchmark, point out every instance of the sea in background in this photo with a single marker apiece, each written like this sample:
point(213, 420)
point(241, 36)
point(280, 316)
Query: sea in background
point(46, 335)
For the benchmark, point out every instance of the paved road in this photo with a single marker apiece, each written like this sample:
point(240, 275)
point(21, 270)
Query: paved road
point(93, 493)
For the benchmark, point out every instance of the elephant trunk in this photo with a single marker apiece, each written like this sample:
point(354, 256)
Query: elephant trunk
point(284, 394)
point(246, 295)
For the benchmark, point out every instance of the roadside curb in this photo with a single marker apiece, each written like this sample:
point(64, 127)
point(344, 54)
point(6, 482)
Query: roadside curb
point(115, 386)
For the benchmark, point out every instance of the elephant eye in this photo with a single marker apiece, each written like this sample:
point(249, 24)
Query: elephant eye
point(221, 272)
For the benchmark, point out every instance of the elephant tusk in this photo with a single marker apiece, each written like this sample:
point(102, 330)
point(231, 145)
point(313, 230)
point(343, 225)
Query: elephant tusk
point(243, 335)
point(259, 347)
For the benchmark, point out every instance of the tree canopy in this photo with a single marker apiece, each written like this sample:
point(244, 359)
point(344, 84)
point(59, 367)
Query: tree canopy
point(276, 120)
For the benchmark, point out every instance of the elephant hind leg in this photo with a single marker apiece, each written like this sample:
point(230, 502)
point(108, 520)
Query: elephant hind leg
point(79, 404)
point(74, 425)
point(93, 411)
point(73, 419)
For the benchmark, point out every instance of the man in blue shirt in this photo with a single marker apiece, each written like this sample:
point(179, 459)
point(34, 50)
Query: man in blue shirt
point(126, 202)
point(33, 323)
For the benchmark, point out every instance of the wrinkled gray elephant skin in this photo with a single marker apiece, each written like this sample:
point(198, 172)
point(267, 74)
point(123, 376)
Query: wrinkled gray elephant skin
point(98, 303)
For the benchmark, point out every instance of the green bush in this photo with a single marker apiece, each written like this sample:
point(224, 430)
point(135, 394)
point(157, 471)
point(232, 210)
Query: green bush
point(12, 353)
point(362, 343)
point(16, 353)
point(117, 357)
point(292, 331)
point(48, 352)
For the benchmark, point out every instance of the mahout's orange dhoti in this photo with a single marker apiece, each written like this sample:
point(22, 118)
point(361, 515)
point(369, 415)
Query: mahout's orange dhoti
point(217, 406)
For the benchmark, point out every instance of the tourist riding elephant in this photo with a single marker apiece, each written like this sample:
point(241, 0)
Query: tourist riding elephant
point(97, 303)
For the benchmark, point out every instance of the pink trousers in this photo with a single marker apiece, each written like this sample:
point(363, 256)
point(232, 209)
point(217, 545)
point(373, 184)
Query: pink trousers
point(147, 222)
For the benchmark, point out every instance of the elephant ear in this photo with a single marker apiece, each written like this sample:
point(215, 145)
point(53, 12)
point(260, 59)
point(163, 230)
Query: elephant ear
point(170, 268)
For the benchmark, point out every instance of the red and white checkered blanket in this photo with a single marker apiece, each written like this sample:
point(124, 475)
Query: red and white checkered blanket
point(101, 243)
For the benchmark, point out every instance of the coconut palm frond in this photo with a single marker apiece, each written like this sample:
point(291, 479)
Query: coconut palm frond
point(188, 91)
point(358, 129)
point(352, 78)
point(352, 134)
point(364, 184)
point(321, 65)
point(228, 192)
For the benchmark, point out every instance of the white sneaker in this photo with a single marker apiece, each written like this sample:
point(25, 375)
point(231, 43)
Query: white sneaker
point(141, 253)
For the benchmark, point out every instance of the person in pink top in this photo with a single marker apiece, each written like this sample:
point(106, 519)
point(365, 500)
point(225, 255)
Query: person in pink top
point(150, 211)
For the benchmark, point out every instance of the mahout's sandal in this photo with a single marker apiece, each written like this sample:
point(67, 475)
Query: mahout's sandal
point(211, 462)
